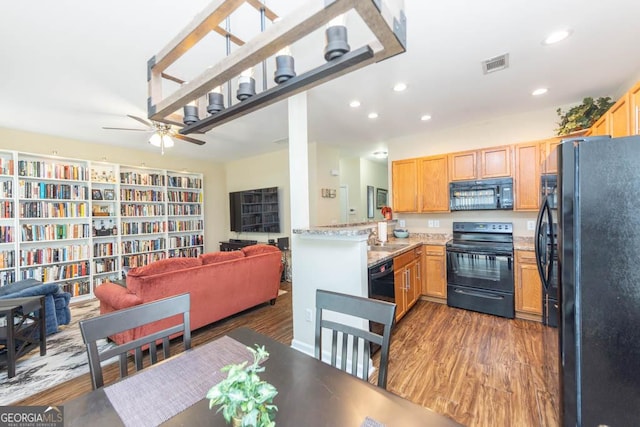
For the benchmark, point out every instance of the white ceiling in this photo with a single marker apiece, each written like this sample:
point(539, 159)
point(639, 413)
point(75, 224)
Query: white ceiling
point(70, 67)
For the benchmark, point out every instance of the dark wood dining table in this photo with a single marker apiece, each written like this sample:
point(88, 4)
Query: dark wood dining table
point(310, 393)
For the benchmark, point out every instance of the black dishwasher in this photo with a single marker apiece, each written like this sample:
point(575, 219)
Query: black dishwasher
point(381, 287)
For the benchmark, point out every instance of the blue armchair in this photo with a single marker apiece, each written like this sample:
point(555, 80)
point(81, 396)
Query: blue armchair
point(56, 302)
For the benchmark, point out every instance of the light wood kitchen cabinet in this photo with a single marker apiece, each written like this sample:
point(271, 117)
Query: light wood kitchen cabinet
point(434, 184)
point(528, 287)
point(494, 162)
point(404, 181)
point(601, 126)
point(634, 110)
point(407, 280)
point(549, 156)
point(434, 284)
point(619, 117)
point(527, 176)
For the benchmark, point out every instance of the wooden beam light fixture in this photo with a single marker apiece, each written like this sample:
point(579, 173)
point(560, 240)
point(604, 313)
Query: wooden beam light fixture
point(384, 18)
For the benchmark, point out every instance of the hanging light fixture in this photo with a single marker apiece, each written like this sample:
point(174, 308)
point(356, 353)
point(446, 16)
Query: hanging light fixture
point(285, 66)
point(190, 113)
point(246, 85)
point(161, 138)
point(336, 35)
point(216, 101)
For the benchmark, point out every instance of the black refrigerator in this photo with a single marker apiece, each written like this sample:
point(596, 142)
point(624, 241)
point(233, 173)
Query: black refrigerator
point(593, 255)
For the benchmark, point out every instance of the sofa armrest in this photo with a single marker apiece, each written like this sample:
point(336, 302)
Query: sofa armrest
point(116, 296)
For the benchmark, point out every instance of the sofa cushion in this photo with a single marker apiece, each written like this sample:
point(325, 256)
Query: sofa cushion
point(259, 249)
point(216, 257)
point(165, 266)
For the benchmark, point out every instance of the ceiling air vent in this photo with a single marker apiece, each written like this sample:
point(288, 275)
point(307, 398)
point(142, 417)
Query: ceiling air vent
point(495, 64)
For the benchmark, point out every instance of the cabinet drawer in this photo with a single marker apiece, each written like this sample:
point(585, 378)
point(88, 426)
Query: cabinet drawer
point(435, 250)
point(526, 257)
point(405, 258)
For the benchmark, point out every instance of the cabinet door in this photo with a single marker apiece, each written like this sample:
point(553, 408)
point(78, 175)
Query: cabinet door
point(413, 284)
point(528, 285)
point(400, 284)
point(527, 176)
point(434, 184)
point(619, 117)
point(435, 284)
point(549, 155)
point(495, 162)
point(404, 176)
point(634, 110)
point(463, 166)
point(601, 126)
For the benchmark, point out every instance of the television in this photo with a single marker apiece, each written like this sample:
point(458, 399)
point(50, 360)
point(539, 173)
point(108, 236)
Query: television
point(255, 211)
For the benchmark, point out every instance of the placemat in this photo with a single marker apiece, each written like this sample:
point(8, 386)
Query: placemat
point(156, 394)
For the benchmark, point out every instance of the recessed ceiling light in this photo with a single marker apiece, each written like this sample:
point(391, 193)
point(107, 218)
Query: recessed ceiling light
point(557, 36)
point(540, 91)
point(399, 87)
point(373, 115)
point(354, 104)
point(425, 118)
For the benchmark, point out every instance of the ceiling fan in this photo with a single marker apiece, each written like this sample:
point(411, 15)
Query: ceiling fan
point(162, 133)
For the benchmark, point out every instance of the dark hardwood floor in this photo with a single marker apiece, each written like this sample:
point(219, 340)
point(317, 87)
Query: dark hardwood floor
point(477, 369)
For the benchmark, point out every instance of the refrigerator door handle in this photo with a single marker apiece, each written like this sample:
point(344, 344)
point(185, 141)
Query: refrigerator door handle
point(537, 243)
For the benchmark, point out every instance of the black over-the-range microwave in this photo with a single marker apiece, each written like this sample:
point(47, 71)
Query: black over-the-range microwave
point(482, 194)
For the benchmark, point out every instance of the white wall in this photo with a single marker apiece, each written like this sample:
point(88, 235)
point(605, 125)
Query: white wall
point(213, 173)
point(322, 160)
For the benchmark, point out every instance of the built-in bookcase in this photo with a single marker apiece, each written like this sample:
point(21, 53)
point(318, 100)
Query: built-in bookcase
point(79, 223)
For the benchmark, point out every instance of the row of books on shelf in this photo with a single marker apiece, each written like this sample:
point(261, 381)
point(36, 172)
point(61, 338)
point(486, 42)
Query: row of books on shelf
point(185, 196)
point(43, 190)
point(6, 234)
point(53, 210)
point(6, 188)
point(7, 259)
point(141, 178)
point(141, 195)
point(54, 273)
point(185, 209)
point(186, 225)
point(97, 281)
point(103, 249)
point(37, 232)
point(141, 210)
point(185, 182)
point(6, 209)
point(76, 288)
point(194, 252)
point(51, 255)
point(7, 276)
point(188, 240)
point(143, 227)
point(6, 166)
point(105, 265)
point(48, 169)
point(133, 246)
point(138, 260)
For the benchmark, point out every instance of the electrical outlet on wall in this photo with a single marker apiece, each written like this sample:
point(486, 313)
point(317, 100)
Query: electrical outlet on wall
point(531, 225)
point(430, 223)
point(402, 223)
point(436, 223)
point(308, 315)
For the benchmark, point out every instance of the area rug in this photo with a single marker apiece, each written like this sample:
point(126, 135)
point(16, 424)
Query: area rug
point(66, 358)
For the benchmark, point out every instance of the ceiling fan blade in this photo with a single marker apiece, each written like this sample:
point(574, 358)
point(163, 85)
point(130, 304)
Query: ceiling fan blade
point(139, 130)
point(141, 120)
point(188, 139)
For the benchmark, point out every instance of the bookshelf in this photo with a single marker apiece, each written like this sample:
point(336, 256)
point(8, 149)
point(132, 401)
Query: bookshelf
point(80, 223)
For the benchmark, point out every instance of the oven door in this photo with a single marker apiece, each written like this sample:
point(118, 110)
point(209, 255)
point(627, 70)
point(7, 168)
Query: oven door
point(483, 270)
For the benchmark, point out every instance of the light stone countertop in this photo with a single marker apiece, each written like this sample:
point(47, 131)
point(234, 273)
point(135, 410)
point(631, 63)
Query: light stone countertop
point(413, 241)
point(521, 243)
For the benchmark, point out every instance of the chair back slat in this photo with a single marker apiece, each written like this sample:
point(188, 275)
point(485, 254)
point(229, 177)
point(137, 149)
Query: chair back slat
point(101, 327)
point(360, 339)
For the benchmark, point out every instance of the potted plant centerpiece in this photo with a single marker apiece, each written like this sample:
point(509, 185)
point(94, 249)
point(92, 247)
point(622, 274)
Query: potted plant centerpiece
point(582, 116)
point(244, 399)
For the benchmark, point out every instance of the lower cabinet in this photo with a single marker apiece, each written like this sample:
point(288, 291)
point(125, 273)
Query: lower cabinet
point(528, 289)
point(407, 280)
point(434, 284)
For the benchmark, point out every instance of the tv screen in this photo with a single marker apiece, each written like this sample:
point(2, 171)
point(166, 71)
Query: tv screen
point(255, 211)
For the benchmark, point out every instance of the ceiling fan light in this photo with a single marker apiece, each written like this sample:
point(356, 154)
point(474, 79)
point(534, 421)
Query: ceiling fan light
point(167, 141)
point(155, 140)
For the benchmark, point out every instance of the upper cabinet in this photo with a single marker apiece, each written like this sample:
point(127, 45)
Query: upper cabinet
point(434, 184)
point(527, 176)
point(404, 175)
point(622, 119)
point(494, 162)
point(619, 117)
point(634, 110)
point(601, 126)
point(549, 156)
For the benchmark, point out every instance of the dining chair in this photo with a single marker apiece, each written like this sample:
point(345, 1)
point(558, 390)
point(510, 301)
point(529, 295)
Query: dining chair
point(377, 311)
point(109, 324)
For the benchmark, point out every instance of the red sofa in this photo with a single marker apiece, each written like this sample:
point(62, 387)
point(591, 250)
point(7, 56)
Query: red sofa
point(220, 284)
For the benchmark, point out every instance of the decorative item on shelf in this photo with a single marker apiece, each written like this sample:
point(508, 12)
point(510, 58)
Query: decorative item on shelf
point(329, 193)
point(245, 399)
point(386, 212)
point(582, 116)
point(109, 194)
point(96, 194)
point(384, 19)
